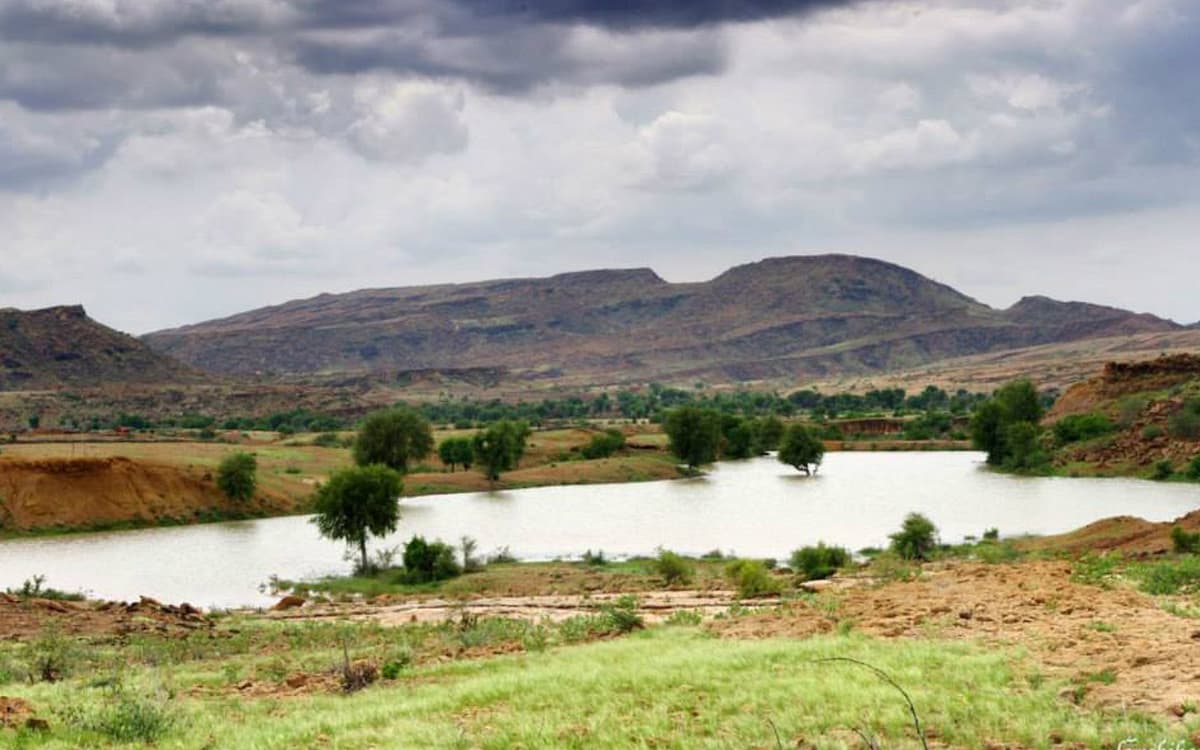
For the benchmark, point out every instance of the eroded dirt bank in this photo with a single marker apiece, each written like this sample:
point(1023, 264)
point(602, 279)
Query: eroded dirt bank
point(96, 492)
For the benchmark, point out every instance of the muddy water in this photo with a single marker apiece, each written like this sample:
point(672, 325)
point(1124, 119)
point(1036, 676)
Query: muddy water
point(756, 507)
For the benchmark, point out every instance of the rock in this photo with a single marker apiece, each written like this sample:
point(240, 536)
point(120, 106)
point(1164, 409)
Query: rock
point(297, 681)
point(50, 604)
point(965, 614)
point(188, 609)
point(816, 586)
point(9, 598)
point(289, 602)
point(37, 725)
point(245, 685)
point(146, 601)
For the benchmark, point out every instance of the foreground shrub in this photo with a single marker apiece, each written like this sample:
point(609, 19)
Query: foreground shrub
point(820, 561)
point(1162, 470)
point(1169, 577)
point(1193, 469)
point(916, 539)
point(425, 562)
point(1184, 542)
point(124, 717)
point(623, 614)
point(237, 476)
point(751, 578)
point(674, 568)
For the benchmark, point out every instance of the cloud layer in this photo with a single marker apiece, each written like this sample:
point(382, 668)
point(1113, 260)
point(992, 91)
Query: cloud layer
point(164, 161)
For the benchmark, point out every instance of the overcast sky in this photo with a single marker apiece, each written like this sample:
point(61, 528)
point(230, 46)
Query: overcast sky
point(169, 161)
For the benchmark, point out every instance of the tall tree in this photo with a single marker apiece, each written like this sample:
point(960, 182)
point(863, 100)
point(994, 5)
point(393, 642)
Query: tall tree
point(356, 502)
point(500, 447)
point(393, 438)
point(695, 435)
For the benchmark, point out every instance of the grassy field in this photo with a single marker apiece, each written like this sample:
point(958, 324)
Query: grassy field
point(668, 687)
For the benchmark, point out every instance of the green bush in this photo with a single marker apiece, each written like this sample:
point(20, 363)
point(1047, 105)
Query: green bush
point(125, 717)
point(1185, 423)
point(622, 614)
point(429, 561)
point(751, 578)
point(1169, 577)
point(1078, 427)
point(1193, 469)
point(916, 539)
point(1184, 542)
point(595, 559)
point(237, 476)
point(1152, 432)
point(604, 445)
point(820, 561)
point(1162, 470)
point(674, 568)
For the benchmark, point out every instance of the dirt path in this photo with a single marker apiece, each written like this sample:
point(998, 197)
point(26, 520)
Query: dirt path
point(654, 607)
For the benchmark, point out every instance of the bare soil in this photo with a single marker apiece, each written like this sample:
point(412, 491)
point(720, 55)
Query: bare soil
point(93, 492)
point(1089, 635)
point(22, 618)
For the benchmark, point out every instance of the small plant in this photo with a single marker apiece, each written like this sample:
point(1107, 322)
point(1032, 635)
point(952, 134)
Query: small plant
point(1163, 470)
point(674, 568)
point(685, 617)
point(429, 561)
point(1095, 570)
point(889, 567)
point(623, 615)
point(1185, 423)
point(1152, 432)
point(604, 445)
point(1102, 627)
point(1193, 469)
point(917, 538)
point(819, 562)
point(1169, 577)
point(1185, 542)
point(470, 561)
point(125, 717)
point(52, 656)
point(397, 662)
point(991, 535)
point(752, 579)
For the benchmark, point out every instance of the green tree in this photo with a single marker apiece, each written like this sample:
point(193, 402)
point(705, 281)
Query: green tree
point(916, 539)
point(801, 449)
point(356, 502)
point(456, 451)
point(694, 434)
point(991, 425)
point(237, 476)
point(740, 438)
point(1023, 447)
point(500, 447)
point(770, 433)
point(393, 438)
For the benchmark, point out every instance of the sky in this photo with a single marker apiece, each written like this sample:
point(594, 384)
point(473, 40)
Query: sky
point(164, 162)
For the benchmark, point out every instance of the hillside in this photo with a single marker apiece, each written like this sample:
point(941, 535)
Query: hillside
point(1153, 407)
point(61, 346)
point(809, 316)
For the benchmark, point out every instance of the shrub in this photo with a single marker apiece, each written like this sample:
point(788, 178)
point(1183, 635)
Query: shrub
point(604, 445)
point(594, 559)
point(1152, 432)
point(1184, 542)
point(1193, 471)
point(53, 656)
point(1185, 423)
point(1079, 427)
point(622, 614)
point(429, 561)
point(501, 556)
point(674, 568)
point(991, 535)
point(1169, 577)
point(125, 717)
point(751, 578)
point(237, 476)
point(819, 561)
point(1162, 470)
point(328, 440)
point(916, 539)
point(1129, 409)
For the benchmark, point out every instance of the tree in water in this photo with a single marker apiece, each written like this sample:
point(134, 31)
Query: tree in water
point(801, 449)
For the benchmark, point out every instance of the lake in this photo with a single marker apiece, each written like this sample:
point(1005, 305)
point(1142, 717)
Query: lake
point(755, 508)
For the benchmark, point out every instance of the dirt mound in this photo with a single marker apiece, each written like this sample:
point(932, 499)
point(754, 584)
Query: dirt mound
point(1125, 534)
point(1147, 657)
point(22, 618)
point(94, 492)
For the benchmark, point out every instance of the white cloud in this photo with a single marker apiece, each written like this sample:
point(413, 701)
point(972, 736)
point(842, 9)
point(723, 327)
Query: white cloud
point(407, 122)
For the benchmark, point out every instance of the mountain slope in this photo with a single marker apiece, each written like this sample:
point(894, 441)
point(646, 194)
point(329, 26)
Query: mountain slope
point(61, 346)
point(781, 317)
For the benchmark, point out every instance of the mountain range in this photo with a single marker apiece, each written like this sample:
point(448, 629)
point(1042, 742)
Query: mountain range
point(780, 318)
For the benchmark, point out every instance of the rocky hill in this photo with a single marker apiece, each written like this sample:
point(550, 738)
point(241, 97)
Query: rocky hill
point(62, 346)
point(1153, 410)
point(790, 317)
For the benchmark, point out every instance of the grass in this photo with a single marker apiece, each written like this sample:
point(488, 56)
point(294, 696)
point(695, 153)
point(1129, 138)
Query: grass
point(673, 687)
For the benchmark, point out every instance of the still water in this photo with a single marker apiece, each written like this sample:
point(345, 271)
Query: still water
point(755, 508)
